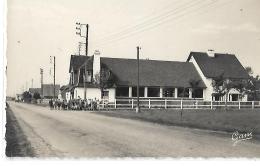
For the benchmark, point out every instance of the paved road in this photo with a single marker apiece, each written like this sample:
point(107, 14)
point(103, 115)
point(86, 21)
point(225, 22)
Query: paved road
point(86, 134)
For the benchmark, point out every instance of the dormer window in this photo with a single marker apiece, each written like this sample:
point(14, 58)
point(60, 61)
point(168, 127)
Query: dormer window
point(89, 75)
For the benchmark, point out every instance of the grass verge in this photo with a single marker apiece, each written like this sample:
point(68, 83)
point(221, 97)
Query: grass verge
point(217, 120)
point(17, 144)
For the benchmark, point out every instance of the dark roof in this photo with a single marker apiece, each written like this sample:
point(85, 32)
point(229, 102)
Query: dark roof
point(226, 64)
point(152, 72)
point(78, 61)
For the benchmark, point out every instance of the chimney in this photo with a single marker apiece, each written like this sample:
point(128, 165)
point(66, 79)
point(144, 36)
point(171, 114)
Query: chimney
point(211, 53)
point(96, 62)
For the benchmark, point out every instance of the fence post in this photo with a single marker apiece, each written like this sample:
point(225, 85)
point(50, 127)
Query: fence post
point(149, 103)
point(165, 103)
point(132, 103)
point(181, 104)
point(239, 106)
point(211, 105)
point(196, 104)
point(115, 103)
point(253, 104)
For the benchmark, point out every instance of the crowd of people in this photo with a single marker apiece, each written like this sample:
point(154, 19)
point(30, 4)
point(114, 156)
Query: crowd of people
point(74, 104)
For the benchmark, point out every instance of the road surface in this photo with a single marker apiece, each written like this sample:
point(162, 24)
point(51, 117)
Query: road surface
point(86, 134)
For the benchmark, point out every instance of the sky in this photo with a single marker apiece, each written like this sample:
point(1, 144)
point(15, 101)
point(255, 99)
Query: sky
point(164, 29)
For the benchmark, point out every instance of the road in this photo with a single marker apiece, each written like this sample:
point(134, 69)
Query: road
point(86, 134)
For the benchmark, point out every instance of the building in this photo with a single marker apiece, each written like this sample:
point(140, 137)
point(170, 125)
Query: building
point(211, 65)
point(34, 90)
point(48, 91)
point(158, 79)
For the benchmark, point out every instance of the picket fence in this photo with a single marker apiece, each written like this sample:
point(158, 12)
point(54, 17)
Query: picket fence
point(177, 104)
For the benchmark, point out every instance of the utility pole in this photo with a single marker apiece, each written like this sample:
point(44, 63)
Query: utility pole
point(138, 79)
point(85, 66)
point(32, 83)
point(41, 72)
point(54, 77)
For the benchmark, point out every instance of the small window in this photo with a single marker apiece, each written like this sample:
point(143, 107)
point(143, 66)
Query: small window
point(153, 92)
point(134, 91)
point(105, 94)
point(122, 92)
point(197, 93)
point(183, 92)
point(234, 97)
point(168, 92)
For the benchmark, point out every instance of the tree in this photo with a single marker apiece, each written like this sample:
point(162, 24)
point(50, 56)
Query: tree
point(27, 97)
point(104, 79)
point(36, 96)
point(222, 87)
point(194, 84)
point(251, 85)
point(240, 86)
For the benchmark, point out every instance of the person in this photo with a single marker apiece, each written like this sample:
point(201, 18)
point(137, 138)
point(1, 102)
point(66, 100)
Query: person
point(63, 105)
point(95, 104)
point(59, 104)
point(89, 104)
point(51, 104)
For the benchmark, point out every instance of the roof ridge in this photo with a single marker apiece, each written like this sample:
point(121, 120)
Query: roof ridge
point(144, 59)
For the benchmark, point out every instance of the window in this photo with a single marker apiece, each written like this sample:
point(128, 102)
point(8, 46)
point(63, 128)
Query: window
point(153, 92)
point(134, 91)
point(234, 97)
point(197, 93)
point(89, 74)
point(81, 76)
point(122, 92)
point(105, 94)
point(168, 92)
point(183, 92)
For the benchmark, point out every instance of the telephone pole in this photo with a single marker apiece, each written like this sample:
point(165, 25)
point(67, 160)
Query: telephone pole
point(41, 72)
point(54, 77)
point(32, 83)
point(138, 79)
point(85, 66)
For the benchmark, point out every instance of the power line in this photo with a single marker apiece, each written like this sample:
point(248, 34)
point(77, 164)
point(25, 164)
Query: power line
point(152, 27)
point(153, 20)
point(143, 19)
point(183, 15)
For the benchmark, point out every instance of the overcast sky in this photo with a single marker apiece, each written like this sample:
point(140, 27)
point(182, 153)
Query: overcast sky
point(165, 30)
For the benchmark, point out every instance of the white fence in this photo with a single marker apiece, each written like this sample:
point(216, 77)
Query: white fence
point(177, 104)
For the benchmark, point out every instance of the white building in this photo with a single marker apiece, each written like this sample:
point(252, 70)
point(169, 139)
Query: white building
point(158, 79)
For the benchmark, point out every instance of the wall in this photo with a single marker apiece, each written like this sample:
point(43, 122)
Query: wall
point(111, 93)
point(91, 93)
point(209, 90)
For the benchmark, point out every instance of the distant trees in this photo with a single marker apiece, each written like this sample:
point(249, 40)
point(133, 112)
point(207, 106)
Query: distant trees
point(252, 85)
point(36, 96)
point(27, 97)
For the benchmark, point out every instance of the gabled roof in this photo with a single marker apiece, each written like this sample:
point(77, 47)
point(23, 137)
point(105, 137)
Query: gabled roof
point(152, 72)
point(77, 61)
point(226, 64)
